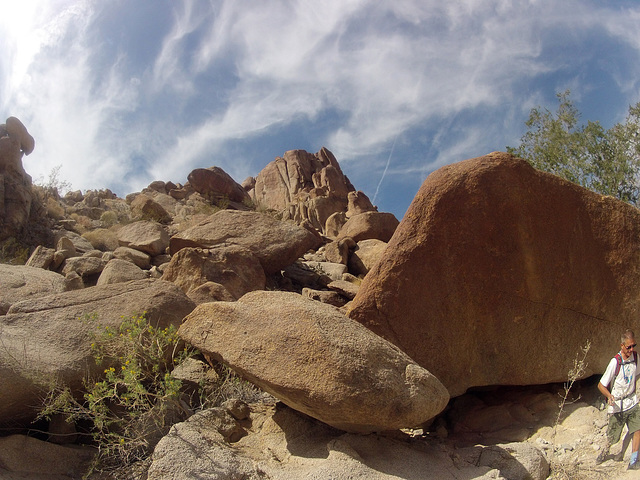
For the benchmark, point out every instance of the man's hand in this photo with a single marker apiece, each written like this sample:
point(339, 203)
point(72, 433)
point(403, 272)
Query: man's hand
point(611, 400)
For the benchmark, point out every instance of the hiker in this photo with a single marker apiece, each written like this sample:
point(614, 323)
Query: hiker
point(618, 385)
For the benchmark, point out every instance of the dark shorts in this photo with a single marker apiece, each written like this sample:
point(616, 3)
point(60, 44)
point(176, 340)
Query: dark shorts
point(617, 422)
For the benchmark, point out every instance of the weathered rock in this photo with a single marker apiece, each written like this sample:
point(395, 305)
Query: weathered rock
point(303, 186)
point(285, 444)
point(50, 337)
point(275, 243)
point(191, 450)
point(73, 281)
point(335, 370)
point(118, 271)
point(378, 225)
point(17, 130)
point(67, 248)
point(210, 292)
point(15, 183)
point(234, 267)
point(359, 203)
point(214, 184)
point(146, 208)
point(305, 275)
point(325, 296)
point(345, 288)
point(132, 255)
point(338, 251)
point(24, 457)
point(20, 282)
point(515, 461)
point(365, 256)
point(334, 223)
point(80, 244)
point(195, 375)
point(42, 257)
point(501, 261)
point(89, 268)
point(147, 236)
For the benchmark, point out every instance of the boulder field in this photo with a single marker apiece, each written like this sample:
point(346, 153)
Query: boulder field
point(352, 322)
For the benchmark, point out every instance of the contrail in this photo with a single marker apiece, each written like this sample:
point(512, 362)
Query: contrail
point(385, 170)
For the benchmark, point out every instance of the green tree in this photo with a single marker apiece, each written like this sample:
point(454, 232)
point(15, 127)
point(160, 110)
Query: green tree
point(605, 161)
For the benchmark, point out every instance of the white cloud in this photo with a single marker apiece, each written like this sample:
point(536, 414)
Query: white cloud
point(231, 70)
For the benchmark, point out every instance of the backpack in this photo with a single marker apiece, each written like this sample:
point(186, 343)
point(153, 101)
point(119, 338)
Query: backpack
point(619, 364)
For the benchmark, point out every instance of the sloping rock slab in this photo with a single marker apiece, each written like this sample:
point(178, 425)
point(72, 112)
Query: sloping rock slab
point(19, 282)
point(317, 361)
point(49, 338)
point(275, 243)
point(499, 273)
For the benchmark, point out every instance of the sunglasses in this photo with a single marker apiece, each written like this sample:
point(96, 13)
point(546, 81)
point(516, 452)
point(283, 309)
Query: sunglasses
point(630, 346)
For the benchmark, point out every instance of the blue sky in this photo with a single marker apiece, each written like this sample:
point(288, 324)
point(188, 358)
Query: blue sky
point(120, 93)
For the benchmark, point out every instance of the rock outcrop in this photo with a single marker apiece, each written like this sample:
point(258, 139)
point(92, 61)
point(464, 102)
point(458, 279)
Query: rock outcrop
point(15, 183)
point(49, 338)
point(18, 282)
point(305, 187)
point(216, 185)
point(499, 274)
point(275, 243)
point(334, 369)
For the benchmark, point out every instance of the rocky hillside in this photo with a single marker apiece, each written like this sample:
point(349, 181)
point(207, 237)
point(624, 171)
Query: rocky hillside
point(366, 337)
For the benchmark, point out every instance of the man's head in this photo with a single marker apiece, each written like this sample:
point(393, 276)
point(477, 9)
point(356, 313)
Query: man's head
point(627, 343)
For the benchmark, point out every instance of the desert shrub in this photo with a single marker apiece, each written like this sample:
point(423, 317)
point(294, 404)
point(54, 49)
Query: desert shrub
point(13, 252)
point(102, 239)
point(54, 208)
point(109, 218)
point(134, 400)
point(135, 396)
point(83, 223)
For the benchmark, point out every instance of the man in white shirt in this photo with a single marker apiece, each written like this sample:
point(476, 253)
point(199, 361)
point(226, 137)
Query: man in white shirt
point(618, 385)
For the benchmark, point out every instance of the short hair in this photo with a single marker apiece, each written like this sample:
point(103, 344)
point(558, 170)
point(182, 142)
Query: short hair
point(627, 335)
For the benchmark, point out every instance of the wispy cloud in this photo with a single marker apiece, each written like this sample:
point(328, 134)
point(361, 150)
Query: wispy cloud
point(123, 106)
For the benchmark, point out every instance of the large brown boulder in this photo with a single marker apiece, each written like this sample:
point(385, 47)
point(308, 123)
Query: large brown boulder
point(499, 273)
point(302, 187)
point(366, 254)
point(117, 271)
point(147, 236)
point(48, 338)
point(370, 225)
point(317, 361)
point(15, 183)
point(19, 282)
point(145, 207)
point(214, 184)
point(234, 267)
point(275, 243)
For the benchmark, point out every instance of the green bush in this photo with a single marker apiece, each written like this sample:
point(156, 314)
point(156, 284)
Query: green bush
point(135, 399)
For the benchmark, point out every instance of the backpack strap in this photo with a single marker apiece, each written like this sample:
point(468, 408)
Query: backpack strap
point(617, 370)
point(619, 364)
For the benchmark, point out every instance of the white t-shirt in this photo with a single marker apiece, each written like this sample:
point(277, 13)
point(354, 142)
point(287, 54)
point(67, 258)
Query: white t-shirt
point(623, 388)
